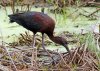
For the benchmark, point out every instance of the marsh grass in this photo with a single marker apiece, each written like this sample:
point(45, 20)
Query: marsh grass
point(91, 42)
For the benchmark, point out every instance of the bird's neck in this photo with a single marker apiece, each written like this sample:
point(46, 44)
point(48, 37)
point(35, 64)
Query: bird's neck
point(54, 39)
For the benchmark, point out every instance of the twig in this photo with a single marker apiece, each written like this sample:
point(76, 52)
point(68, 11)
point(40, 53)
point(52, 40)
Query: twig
point(96, 3)
point(94, 12)
point(4, 6)
point(64, 61)
point(95, 65)
point(11, 59)
point(89, 14)
point(74, 55)
point(98, 43)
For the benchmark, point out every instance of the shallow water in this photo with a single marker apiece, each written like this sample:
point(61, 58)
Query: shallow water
point(8, 29)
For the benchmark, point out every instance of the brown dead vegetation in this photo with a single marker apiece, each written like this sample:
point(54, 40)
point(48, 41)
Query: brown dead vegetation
point(81, 59)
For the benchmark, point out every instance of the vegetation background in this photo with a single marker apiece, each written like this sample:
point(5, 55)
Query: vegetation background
point(76, 20)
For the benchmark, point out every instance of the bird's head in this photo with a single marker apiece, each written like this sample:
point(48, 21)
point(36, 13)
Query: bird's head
point(14, 17)
point(62, 41)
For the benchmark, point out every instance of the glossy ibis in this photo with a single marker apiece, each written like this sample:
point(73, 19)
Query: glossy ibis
point(38, 22)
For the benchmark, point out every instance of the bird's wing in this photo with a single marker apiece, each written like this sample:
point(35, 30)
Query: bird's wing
point(31, 22)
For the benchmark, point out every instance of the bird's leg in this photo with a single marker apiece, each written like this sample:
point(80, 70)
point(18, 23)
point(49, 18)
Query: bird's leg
point(33, 45)
point(46, 50)
point(34, 55)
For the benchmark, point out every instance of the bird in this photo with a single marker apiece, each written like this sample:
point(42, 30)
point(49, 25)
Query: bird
point(38, 22)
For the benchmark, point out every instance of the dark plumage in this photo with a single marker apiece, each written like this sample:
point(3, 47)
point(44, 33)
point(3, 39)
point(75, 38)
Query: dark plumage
point(38, 22)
